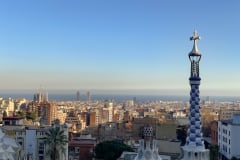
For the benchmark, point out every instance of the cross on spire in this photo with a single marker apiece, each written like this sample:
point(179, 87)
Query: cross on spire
point(195, 36)
point(195, 51)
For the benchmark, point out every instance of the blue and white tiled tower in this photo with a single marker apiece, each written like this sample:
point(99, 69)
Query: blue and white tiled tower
point(194, 148)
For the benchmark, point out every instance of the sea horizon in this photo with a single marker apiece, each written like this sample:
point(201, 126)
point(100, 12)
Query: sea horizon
point(120, 96)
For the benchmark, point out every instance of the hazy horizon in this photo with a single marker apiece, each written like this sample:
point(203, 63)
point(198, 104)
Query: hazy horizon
point(156, 92)
point(118, 45)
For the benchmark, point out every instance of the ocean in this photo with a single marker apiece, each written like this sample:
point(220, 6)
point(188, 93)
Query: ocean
point(118, 97)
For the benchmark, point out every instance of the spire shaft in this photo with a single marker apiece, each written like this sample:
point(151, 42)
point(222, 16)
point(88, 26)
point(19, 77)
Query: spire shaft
point(194, 148)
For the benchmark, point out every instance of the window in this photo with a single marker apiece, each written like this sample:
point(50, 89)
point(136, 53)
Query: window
point(77, 149)
point(71, 149)
point(41, 158)
point(229, 141)
point(19, 138)
point(7, 123)
point(14, 123)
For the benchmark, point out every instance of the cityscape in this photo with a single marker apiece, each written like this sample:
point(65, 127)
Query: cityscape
point(119, 80)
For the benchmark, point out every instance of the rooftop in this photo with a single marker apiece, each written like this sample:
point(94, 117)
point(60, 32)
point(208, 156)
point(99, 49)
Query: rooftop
point(234, 121)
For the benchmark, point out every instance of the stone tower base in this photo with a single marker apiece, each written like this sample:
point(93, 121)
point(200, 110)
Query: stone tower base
point(195, 153)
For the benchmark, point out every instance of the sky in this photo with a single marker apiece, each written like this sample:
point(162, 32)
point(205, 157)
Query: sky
point(118, 45)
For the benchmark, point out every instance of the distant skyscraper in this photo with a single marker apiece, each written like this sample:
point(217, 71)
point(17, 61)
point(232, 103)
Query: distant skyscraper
point(78, 96)
point(134, 99)
point(207, 98)
point(194, 148)
point(88, 97)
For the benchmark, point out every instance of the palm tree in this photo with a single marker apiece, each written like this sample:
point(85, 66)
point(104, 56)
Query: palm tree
point(55, 142)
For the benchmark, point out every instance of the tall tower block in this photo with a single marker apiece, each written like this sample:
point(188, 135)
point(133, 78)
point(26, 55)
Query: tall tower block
point(194, 148)
point(88, 97)
point(78, 96)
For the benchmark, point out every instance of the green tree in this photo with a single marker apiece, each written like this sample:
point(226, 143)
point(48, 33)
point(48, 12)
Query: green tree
point(31, 115)
point(110, 150)
point(55, 142)
point(214, 152)
point(181, 132)
point(4, 114)
point(21, 114)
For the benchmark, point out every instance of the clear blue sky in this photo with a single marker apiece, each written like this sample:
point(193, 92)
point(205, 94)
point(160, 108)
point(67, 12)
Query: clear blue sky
point(118, 45)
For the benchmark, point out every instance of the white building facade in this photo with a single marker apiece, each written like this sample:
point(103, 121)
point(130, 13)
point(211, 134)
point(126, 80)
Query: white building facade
point(228, 138)
point(31, 141)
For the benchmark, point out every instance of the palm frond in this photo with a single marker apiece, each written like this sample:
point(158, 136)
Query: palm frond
point(55, 142)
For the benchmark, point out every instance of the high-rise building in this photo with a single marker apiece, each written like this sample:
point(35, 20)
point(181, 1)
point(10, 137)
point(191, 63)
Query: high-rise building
point(134, 99)
point(78, 96)
point(92, 119)
point(48, 113)
point(194, 148)
point(88, 97)
point(109, 108)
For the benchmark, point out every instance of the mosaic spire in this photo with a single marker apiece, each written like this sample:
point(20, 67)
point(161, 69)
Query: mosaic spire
point(195, 129)
point(194, 148)
point(195, 57)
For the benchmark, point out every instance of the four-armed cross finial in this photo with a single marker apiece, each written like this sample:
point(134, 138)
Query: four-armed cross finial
point(195, 36)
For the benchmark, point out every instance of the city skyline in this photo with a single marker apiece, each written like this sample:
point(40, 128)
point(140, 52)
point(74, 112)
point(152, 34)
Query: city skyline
point(118, 45)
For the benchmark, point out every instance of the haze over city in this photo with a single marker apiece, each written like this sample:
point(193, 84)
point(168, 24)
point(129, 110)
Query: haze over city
point(118, 45)
point(119, 80)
